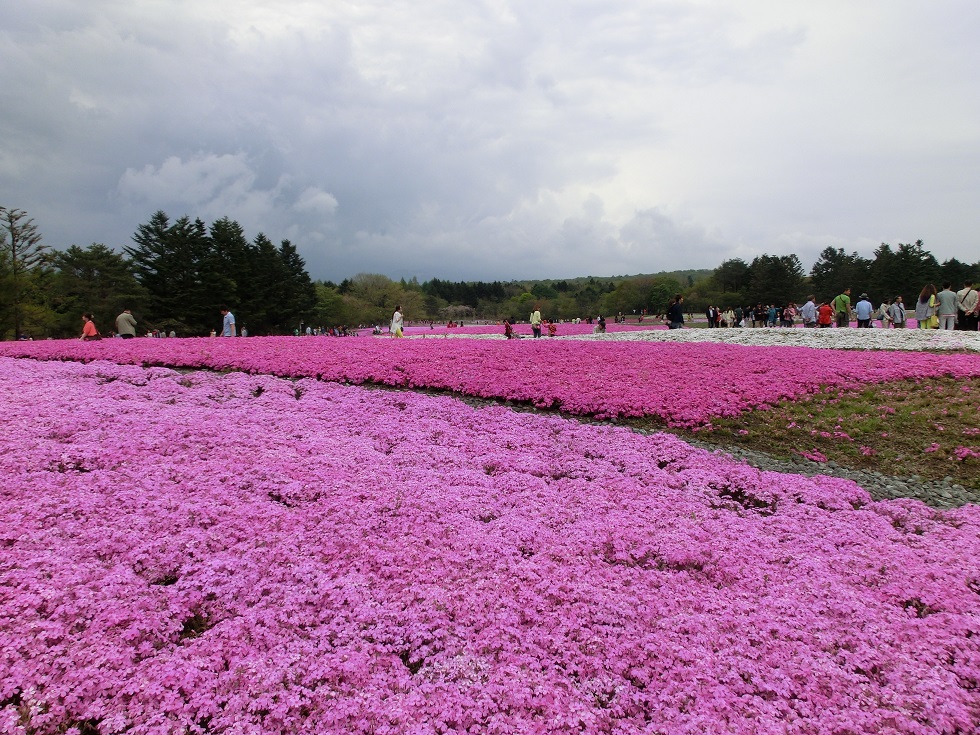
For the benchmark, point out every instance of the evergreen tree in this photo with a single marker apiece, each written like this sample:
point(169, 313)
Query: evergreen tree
point(20, 243)
point(776, 279)
point(916, 267)
point(271, 311)
point(836, 270)
point(301, 295)
point(732, 275)
point(93, 279)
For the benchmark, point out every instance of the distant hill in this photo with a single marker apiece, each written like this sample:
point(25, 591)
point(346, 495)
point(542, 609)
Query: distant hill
point(684, 277)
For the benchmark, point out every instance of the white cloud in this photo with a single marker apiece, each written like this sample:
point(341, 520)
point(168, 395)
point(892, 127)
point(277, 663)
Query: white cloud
point(500, 139)
point(201, 179)
point(314, 199)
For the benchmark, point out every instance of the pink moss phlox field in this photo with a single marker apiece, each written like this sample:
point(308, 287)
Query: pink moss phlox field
point(237, 553)
point(684, 385)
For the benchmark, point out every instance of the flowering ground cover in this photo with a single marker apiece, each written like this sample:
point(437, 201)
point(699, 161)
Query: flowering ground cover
point(564, 329)
point(680, 385)
point(929, 428)
point(239, 553)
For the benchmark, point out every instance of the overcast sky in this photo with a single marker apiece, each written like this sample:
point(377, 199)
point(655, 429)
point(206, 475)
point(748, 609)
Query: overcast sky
point(500, 139)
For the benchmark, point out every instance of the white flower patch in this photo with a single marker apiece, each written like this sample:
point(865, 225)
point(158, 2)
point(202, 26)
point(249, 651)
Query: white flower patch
point(915, 340)
point(826, 339)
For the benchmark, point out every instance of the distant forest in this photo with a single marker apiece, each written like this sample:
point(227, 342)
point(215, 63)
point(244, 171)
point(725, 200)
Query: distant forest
point(178, 273)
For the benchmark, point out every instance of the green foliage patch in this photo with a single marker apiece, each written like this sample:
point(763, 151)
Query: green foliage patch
point(926, 428)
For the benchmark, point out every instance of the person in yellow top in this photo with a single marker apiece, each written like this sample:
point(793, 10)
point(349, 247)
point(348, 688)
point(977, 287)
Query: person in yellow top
point(925, 308)
point(536, 321)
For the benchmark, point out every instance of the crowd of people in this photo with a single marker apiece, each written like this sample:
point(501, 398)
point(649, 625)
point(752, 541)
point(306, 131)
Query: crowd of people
point(933, 309)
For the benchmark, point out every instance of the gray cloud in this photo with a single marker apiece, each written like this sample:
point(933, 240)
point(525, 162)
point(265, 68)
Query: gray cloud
point(499, 139)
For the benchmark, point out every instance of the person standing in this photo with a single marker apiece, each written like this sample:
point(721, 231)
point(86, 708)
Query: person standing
point(884, 313)
point(397, 323)
point(842, 308)
point(675, 313)
point(227, 323)
point(897, 313)
point(864, 309)
point(89, 332)
point(825, 315)
point(925, 307)
point(946, 307)
point(126, 324)
point(536, 321)
point(789, 315)
point(809, 313)
point(967, 301)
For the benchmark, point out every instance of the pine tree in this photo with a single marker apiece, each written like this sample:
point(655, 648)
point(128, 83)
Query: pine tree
point(22, 252)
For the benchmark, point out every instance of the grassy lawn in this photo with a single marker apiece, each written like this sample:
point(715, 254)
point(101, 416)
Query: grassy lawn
point(929, 428)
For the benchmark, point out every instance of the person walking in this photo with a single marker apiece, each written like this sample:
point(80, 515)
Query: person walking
point(946, 307)
point(967, 304)
point(397, 323)
point(675, 313)
point(897, 313)
point(535, 320)
point(227, 323)
point(925, 307)
point(126, 324)
point(842, 308)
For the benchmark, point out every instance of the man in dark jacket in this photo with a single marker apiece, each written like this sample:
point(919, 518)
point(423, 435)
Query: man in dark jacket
point(675, 313)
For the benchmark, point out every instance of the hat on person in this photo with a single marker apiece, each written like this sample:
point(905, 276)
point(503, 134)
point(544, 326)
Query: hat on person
point(864, 296)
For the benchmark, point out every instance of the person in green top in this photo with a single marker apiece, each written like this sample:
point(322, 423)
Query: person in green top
point(842, 308)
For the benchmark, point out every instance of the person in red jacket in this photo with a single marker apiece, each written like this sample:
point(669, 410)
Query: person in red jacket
point(825, 315)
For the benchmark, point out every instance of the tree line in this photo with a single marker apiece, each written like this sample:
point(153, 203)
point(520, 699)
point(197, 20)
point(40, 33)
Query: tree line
point(899, 271)
point(178, 273)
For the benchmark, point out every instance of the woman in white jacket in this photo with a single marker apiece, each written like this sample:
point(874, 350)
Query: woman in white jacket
point(397, 323)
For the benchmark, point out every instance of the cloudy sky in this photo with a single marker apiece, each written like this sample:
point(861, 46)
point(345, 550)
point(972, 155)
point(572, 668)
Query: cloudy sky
point(488, 139)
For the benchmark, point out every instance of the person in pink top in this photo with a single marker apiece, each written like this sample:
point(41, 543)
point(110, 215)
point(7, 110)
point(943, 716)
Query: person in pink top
point(89, 331)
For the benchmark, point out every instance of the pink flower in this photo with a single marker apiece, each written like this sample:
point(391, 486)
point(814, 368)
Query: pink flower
point(813, 455)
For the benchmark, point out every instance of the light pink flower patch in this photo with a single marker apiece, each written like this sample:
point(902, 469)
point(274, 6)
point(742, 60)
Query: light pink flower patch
point(964, 453)
point(814, 455)
point(241, 553)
